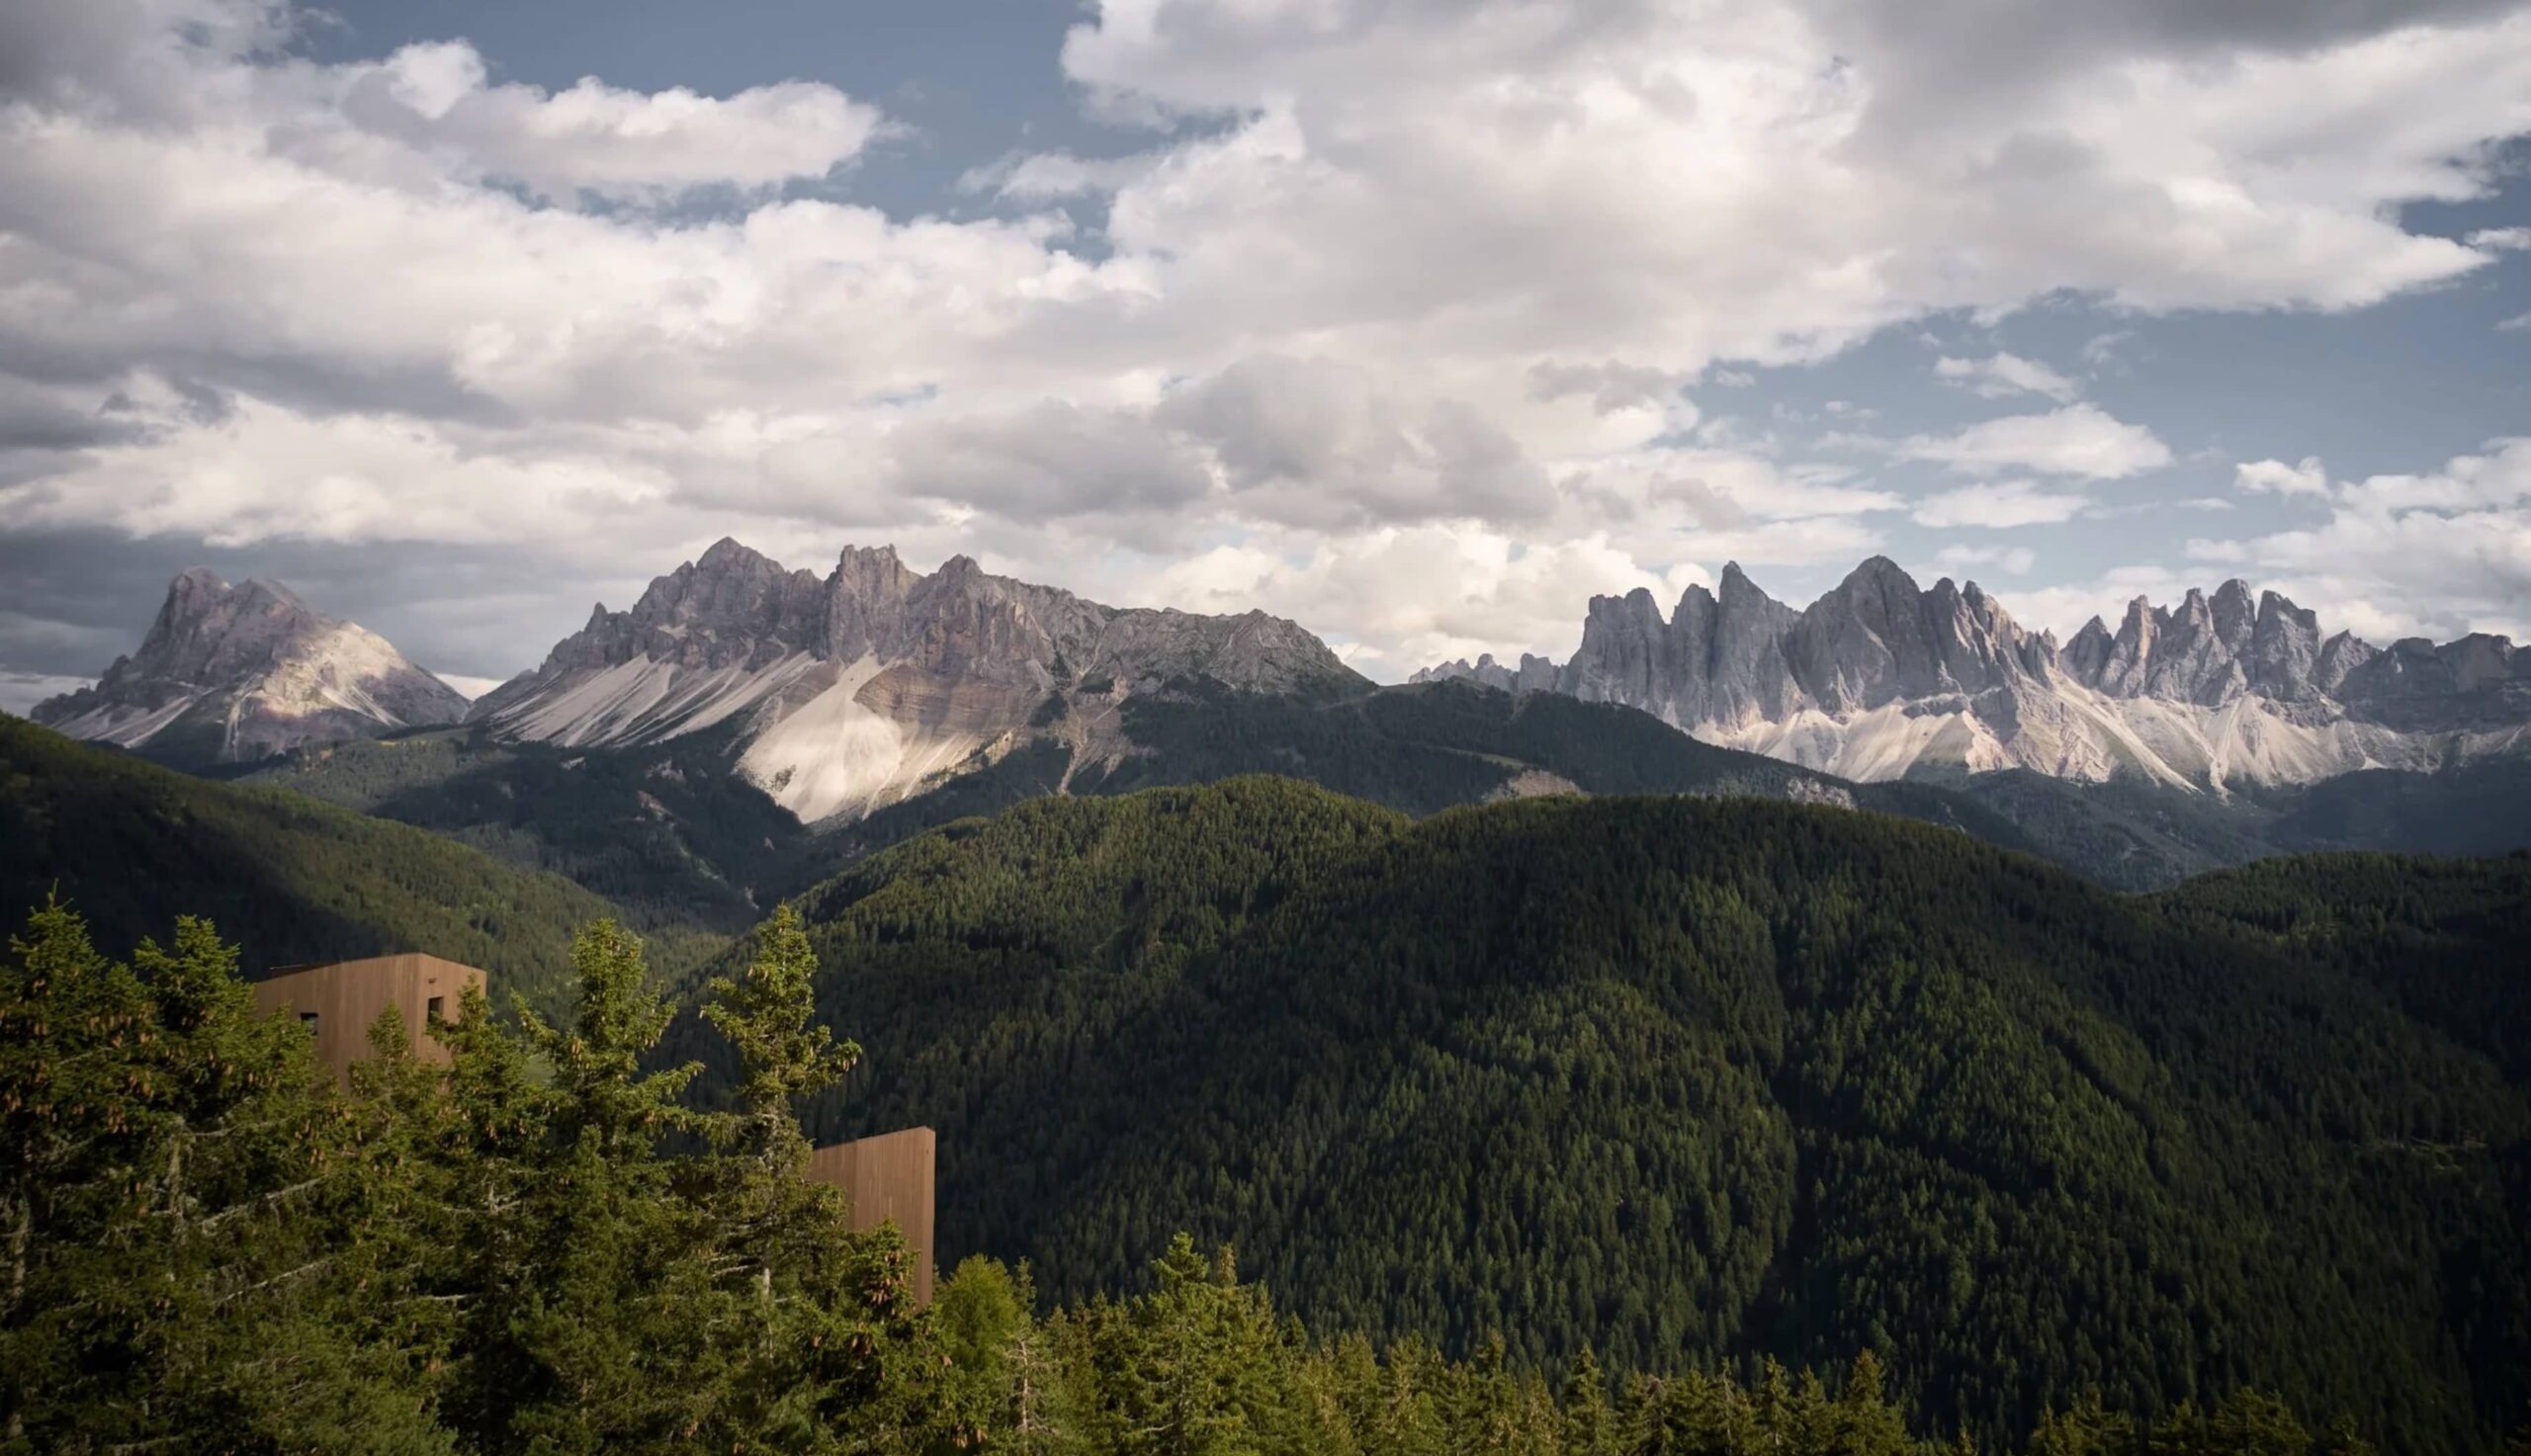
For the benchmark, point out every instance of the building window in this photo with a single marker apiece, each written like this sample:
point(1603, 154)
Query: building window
point(307, 1021)
point(432, 1014)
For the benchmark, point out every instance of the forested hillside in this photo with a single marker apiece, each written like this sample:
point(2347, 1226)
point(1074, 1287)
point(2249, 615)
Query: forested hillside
point(672, 832)
point(1688, 1081)
point(669, 832)
point(218, 1247)
point(134, 845)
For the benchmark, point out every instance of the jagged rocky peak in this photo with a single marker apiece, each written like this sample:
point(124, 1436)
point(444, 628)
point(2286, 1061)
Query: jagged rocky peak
point(2282, 657)
point(230, 675)
point(2086, 653)
point(1877, 637)
point(2210, 650)
point(848, 690)
point(1880, 677)
point(1534, 674)
point(2476, 683)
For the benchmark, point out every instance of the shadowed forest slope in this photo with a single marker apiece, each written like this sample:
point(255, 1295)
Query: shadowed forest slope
point(1691, 1081)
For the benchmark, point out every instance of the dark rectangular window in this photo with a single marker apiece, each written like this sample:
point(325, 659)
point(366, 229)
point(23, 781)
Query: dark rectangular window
point(433, 1012)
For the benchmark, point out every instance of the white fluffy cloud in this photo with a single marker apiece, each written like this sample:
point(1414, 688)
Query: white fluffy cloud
point(1418, 595)
point(2275, 477)
point(1431, 278)
point(2000, 505)
point(2079, 440)
point(2437, 553)
point(2013, 560)
point(2002, 376)
point(598, 139)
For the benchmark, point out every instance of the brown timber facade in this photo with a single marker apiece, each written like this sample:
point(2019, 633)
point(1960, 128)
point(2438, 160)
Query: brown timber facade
point(888, 1177)
point(339, 1002)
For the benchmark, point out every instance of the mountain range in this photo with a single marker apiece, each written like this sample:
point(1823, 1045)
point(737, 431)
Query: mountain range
point(232, 674)
point(690, 756)
point(859, 687)
point(1881, 678)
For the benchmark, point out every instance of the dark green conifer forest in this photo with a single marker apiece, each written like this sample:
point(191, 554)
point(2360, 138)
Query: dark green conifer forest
point(213, 1248)
point(1717, 1082)
point(1613, 1125)
point(296, 879)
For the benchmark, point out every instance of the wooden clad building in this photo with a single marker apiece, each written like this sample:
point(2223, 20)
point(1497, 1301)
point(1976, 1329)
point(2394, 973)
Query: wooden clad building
point(888, 1177)
point(339, 1002)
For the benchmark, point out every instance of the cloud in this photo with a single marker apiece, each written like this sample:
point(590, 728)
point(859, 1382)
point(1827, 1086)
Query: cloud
point(2079, 440)
point(601, 139)
point(1054, 175)
point(1313, 442)
point(1612, 386)
point(1417, 595)
point(2000, 505)
point(2100, 351)
point(1417, 268)
point(2276, 477)
point(2435, 553)
point(268, 472)
point(1773, 180)
point(19, 692)
point(1051, 458)
point(2200, 549)
point(2501, 240)
point(2518, 324)
point(2002, 376)
point(2015, 560)
point(2440, 553)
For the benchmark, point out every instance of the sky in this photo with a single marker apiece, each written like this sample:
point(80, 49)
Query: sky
point(1417, 322)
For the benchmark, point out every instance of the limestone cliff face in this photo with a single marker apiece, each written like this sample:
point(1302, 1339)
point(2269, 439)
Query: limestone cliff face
point(230, 675)
point(1881, 677)
point(855, 688)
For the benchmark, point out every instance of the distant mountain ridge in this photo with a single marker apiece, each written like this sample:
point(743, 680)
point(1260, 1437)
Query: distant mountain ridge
point(232, 674)
point(856, 689)
point(1881, 678)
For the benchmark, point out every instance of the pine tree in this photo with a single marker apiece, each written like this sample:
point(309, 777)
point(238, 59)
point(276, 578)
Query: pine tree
point(72, 1031)
point(613, 1336)
point(1585, 1421)
point(767, 1015)
point(2084, 1429)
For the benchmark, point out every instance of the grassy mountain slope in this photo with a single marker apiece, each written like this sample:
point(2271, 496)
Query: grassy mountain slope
point(1694, 1080)
point(131, 843)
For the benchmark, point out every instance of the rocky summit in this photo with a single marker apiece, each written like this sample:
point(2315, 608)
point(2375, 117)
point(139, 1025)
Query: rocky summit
point(1881, 678)
point(854, 690)
point(232, 674)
